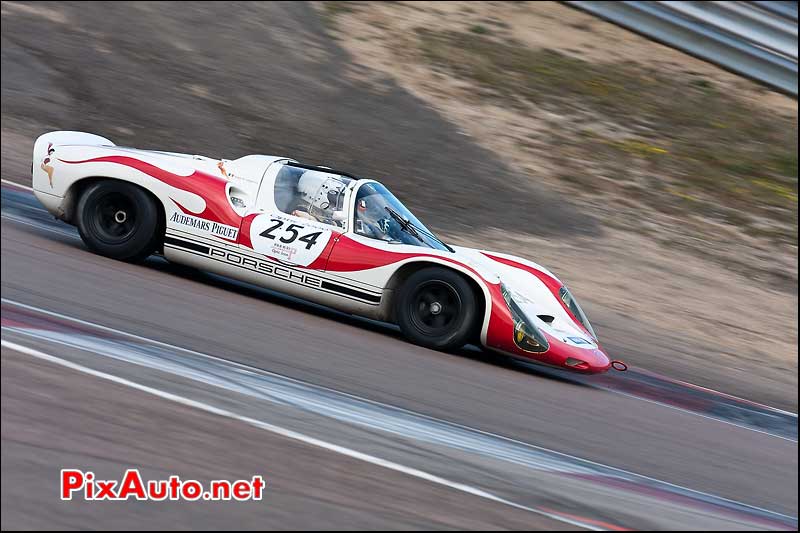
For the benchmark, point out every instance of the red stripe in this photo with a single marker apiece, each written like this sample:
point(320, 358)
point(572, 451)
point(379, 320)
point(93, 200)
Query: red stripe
point(350, 256)
point(209, 187)
point(550, 282)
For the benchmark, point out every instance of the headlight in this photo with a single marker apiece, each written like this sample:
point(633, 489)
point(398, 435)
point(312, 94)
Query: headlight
point(526, 335)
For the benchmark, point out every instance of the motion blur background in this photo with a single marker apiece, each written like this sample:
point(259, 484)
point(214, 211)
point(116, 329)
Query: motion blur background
point(662, 189)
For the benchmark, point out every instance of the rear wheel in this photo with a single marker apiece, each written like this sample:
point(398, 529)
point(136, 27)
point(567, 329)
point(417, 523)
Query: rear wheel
point(436, 308)
point(119, 220)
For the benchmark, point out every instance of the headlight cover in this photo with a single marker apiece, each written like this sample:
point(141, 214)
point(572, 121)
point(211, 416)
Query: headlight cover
point(527, 336)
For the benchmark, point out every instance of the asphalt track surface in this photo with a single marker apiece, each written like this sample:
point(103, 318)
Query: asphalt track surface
point(77, 395)
point(485, 431)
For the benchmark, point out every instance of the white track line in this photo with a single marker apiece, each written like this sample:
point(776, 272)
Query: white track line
point(192, 352)
point(288, 433)
point(9, 182)
point(568, 457)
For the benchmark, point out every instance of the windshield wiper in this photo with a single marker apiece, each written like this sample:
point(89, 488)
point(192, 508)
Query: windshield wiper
point(409, 227)
point(435, 238)
point(405, 224)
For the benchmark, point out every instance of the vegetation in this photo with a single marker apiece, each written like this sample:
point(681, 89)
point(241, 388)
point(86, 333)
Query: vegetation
point(697, 147)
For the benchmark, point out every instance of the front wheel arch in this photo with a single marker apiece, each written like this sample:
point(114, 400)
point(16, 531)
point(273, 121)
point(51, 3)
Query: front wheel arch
point(404, 272)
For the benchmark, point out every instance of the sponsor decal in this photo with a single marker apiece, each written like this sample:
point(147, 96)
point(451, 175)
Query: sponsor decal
point(283, 251)
point(268, 268)
point(578, 340)
point(205, 226)
point(275, 270)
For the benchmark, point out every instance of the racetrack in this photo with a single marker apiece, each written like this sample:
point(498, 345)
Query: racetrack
point(172, 399)
point(52, 273)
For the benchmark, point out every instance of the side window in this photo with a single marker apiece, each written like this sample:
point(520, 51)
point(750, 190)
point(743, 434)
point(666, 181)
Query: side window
point(286, 188)
point(312, 194)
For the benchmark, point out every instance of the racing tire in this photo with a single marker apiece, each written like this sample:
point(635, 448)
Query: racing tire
point(118, 220)
point(436, 308)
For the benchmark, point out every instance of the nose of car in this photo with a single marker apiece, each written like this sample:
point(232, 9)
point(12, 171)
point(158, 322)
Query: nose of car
point(597, 361)
point(590, 361)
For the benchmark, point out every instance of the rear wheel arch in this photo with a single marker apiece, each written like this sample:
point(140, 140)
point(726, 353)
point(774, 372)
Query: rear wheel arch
point(77, 189)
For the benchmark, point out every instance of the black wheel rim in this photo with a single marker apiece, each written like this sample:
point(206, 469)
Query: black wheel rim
point(435, 307)
point(114, 218)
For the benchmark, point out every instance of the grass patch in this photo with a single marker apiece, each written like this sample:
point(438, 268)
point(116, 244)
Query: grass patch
point(479, 29)
point(581, 26)
point(337, 8)
point(694, 135)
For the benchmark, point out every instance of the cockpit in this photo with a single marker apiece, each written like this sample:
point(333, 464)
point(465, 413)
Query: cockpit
point(323, 195)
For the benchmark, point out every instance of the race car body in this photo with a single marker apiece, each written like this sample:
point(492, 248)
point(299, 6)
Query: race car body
point(315, 233)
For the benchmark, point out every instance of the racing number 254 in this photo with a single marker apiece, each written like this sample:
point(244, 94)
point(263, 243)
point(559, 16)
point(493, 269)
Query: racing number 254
point(294, 231)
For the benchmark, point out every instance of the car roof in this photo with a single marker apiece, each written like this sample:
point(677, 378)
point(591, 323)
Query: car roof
point(329, 170)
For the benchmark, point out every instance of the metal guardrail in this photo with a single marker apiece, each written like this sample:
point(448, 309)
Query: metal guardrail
point(755, 39)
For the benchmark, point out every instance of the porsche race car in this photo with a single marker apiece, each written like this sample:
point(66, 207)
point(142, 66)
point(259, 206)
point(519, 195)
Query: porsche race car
point(315, 233)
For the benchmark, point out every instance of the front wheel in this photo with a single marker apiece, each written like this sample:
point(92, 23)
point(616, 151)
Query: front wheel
point(119, 220)
point(436, 308)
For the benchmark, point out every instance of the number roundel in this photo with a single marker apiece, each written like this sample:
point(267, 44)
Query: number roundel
point(283, 239)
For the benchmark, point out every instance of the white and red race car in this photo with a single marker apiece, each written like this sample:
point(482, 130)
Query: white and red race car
point(314, 233)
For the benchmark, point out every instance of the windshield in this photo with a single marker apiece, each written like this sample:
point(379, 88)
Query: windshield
point(379, 215)
point(576, 310)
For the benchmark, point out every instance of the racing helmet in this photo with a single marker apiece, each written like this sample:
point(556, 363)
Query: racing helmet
point(322, 192)
point(371, 216)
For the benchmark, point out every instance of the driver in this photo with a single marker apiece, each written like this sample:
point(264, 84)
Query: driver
point(372, 219)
